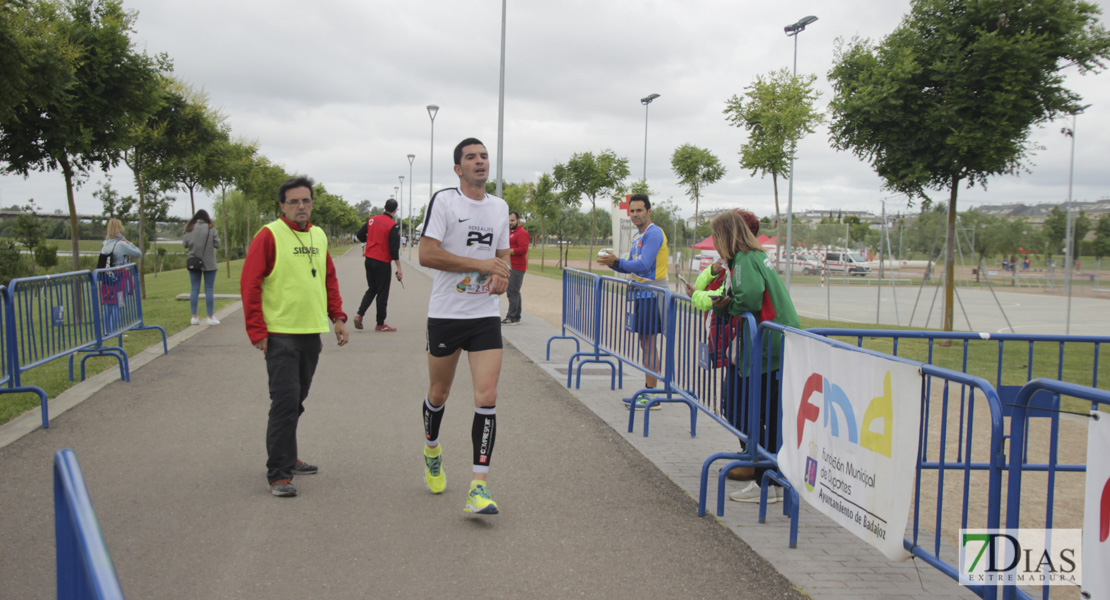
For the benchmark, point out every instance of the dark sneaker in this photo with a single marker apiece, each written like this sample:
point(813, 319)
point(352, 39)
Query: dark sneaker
point(507, 321)
point(303, 468)
point(283, 487)
point(358, 321)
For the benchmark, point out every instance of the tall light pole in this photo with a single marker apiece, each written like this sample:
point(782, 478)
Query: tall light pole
point(501, 105)
point(411, 157)
point(401, 197)
point(792, 30)
point(395, 188)
point(1068, 232)
point(432, 110)
point(646, 101)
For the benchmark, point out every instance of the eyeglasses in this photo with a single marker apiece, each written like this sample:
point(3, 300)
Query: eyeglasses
point(295, 202)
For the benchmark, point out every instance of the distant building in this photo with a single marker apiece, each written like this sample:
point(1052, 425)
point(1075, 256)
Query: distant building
point(1036, 214)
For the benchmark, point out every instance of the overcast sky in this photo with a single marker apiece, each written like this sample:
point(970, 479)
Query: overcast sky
point(337, 90)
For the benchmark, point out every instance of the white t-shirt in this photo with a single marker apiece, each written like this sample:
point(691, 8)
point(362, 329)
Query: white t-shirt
point(471, 229)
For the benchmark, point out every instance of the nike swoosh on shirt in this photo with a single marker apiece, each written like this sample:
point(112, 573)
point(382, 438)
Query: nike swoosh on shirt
point(467, 219)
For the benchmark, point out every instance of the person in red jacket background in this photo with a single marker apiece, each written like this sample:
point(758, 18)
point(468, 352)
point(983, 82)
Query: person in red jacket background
point(519, 241)
point(382, 236)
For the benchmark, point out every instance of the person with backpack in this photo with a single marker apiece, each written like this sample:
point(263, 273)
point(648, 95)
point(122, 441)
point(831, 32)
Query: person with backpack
point(116, 251)
point(201, 240)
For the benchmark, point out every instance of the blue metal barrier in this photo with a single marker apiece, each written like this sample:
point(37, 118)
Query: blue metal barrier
point(581, 309)
point(1024, 408)
point(121, 310)
point(1013, 368)
point(51, 317)
point(952, 414)
point(635, 326)
point(84, 567)
point(7, 352)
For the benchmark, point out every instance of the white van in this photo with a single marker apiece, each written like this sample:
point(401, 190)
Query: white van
point(853, 264)
point(802, 264)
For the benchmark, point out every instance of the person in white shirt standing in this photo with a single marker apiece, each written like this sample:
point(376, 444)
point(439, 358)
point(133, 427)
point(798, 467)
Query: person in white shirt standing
point(466, 240)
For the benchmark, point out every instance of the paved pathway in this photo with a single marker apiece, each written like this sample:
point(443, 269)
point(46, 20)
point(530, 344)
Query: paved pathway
point(174, 462)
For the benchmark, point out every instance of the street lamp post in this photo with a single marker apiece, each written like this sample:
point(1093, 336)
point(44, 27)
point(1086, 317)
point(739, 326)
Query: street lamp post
point(1067, 229)
point(410, 157)
point(432, 110)
point(501, 106)
point(792, 31)
point(647, 101)
point(401, 197)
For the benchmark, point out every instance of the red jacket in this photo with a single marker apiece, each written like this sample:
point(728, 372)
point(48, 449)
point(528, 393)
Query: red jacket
point(260, 263)
point(519, 240)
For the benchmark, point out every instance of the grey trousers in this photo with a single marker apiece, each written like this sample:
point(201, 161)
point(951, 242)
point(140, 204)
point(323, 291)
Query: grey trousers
point(516, 279)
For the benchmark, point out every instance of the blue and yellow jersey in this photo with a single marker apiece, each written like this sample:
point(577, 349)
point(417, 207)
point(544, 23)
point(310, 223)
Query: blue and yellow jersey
point(647, 261)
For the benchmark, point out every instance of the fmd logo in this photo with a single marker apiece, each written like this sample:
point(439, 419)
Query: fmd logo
point(1021, 557)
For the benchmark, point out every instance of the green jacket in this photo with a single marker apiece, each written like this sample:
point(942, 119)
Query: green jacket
point(752, 274)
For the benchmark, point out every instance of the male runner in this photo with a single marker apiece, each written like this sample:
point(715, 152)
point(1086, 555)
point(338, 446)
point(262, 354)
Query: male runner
point(466, 240)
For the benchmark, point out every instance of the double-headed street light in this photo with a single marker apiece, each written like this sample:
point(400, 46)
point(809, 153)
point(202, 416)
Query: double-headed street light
point(1068, 232)
point(792, 30)
point(410, 157)
point(646, 101)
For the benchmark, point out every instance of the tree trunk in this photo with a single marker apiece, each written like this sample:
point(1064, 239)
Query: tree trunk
point(227, 244)
point(950, 256)
point(778, 234)
point(543, 246)
point(142, 228)
point(192, 203)
point(74, 235)
point(696, 222)
point(593, 234)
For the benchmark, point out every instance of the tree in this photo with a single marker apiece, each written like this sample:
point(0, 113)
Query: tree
point(195, 139)
point(1055, 230)
point(1080, 225)
point(112, 89)
point(951, 95)
point(695, 168)
point(156, 140)
point(113, 206)
point(364, 209)
point(545, 205)
point(590, 176)
point(232, 162)
point(37, 61)
point(1102, 237)
point(777, 111)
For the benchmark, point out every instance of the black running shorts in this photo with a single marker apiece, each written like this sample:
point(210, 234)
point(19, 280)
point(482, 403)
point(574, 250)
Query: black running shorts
point(445, 336)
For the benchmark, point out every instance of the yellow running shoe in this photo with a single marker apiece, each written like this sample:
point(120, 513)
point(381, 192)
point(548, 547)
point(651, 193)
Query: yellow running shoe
point(479, 501)
point(434, 475)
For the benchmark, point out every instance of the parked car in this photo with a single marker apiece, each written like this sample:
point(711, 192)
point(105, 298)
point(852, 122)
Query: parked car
point(853, 264)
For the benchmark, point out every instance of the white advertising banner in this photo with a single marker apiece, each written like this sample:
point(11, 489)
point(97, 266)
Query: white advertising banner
point(850, 428)
point(1096, 511)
